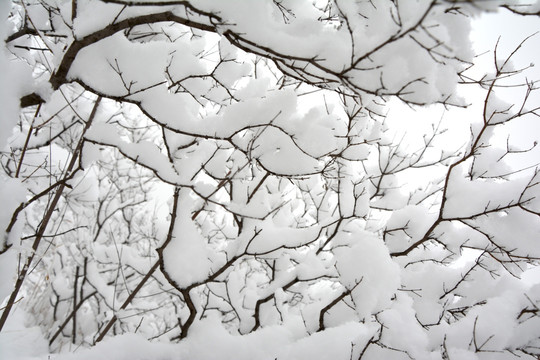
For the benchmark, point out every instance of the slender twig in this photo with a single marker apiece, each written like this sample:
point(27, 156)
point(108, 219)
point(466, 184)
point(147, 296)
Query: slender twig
point(46, 219)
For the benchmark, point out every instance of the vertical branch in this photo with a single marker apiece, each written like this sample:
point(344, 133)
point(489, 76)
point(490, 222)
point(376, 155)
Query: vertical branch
point(66, 321)
point(46, 219)
point(192, 313)
point(184, 291)
point(73, 10)
point(17, 172)
point(74, 330)
point(158, 263)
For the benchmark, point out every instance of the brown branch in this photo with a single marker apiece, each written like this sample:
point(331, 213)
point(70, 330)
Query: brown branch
point(75, 306)
point(46, 219)
point(127, 302)
point(73, 9)
point(184, 291)
point(393, 38)
point(250, 196)
point(59, 77)
point(256, 314)
point(24, 31)
point(31, 100)
point(25, 147)
point(325, 309)
point(518, 12)
point(71, 315)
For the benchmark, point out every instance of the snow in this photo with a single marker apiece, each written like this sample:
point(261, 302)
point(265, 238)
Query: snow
point(404, 332)
point(292, 197)
point(269, 343)
point(185, 257)
point(22, 342)
point(13, 83)
point(144, 152)
point(93, 15)
point(365, 267)
point(278, 153)
point(114, 63)
point(273, 237)
point(408, 225)
point(12, 193)
point(466, 197)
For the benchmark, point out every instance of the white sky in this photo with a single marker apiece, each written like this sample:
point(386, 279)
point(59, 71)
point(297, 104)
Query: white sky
point(512, 29)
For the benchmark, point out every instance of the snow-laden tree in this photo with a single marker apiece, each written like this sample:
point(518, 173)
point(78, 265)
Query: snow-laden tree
point(232, 175)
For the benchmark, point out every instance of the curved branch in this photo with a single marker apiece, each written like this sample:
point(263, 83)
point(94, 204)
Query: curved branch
point(59, 77)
